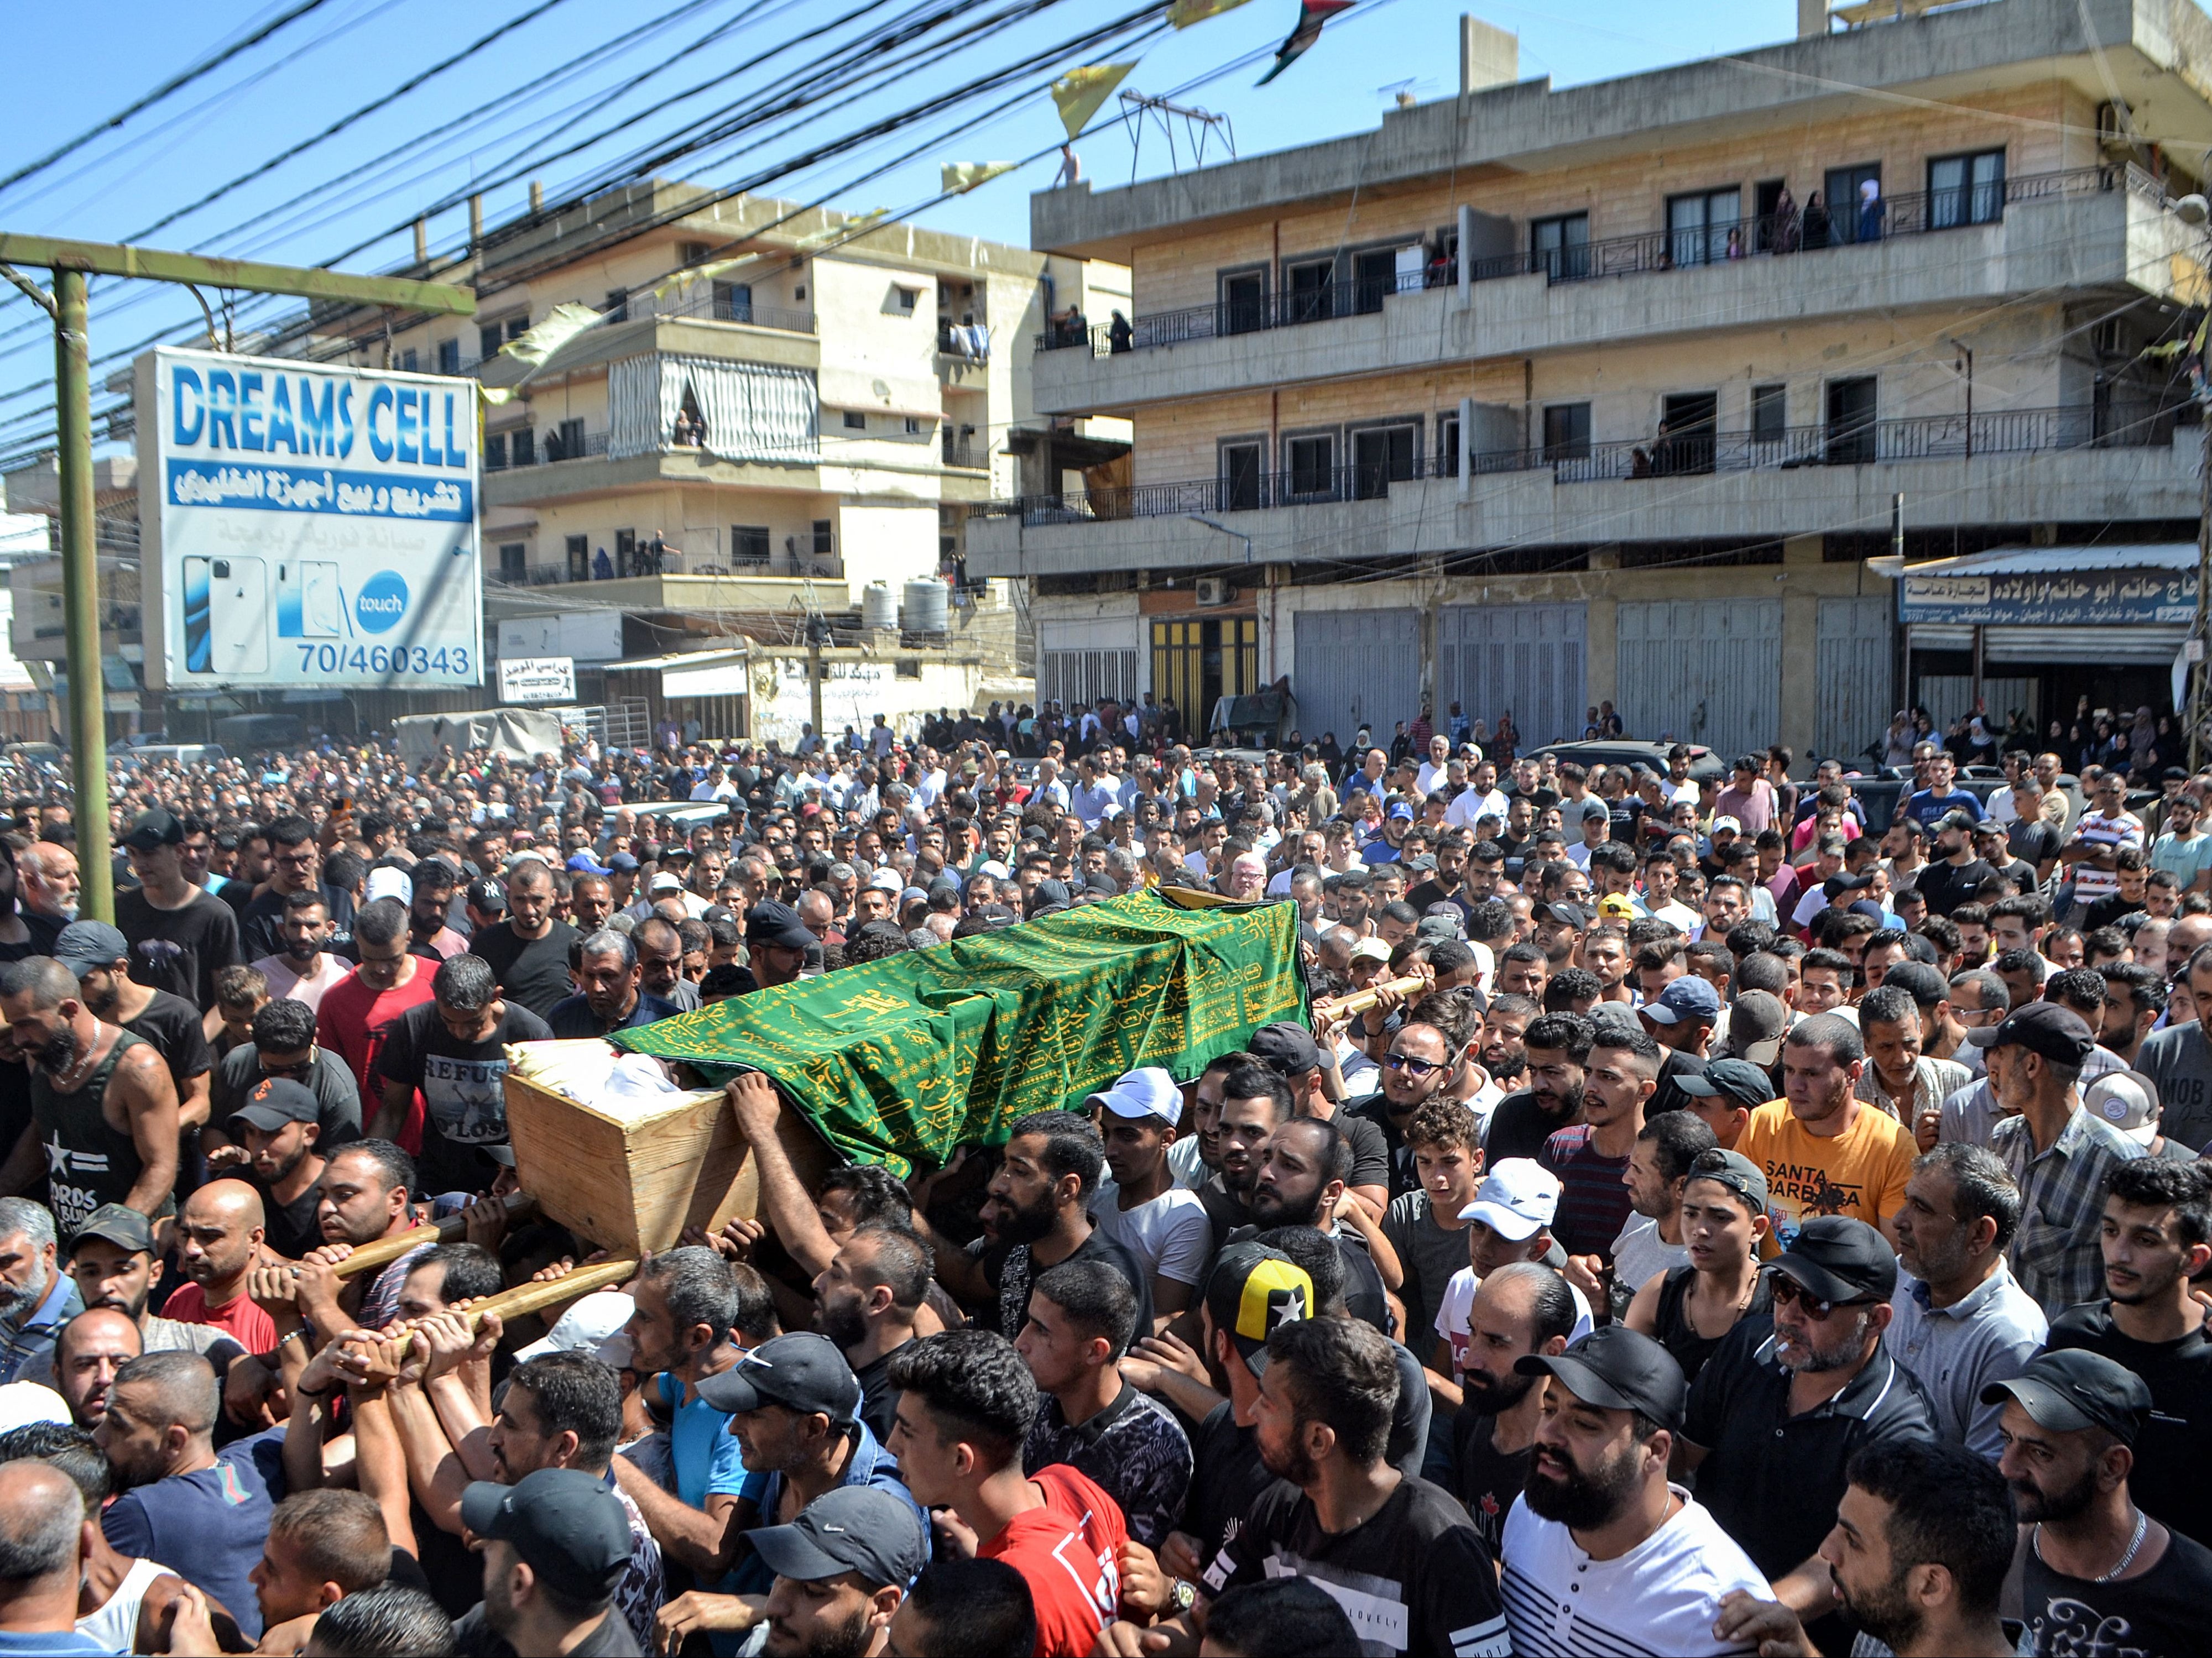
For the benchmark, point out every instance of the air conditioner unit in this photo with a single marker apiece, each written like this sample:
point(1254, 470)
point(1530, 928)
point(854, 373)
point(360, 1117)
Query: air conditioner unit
point(1213, 590)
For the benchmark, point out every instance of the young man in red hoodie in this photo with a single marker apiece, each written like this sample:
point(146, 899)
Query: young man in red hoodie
point(966, 1401)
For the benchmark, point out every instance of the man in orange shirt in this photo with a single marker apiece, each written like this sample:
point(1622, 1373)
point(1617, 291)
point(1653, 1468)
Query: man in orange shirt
point(1825, 1151)
point(219, 1233)
point(969, 1391)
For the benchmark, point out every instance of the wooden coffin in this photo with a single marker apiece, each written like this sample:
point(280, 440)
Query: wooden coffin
point(631, 1179)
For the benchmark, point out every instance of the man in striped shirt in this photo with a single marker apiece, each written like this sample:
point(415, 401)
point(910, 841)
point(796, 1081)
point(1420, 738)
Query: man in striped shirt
point(2091, 852)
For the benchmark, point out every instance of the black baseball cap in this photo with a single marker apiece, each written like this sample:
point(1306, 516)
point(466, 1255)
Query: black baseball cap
point(1739, 1080)
point(779, 925)
point(1839, 1258)
point(565, 1523)
point(1732, 1169)
point(153, 828)
point(2071, 1389)
point(1252, 1292)
point(276, 1101)
point(1573, 915)
point(487, 897)
point(856, 1529)
point(1285, 1047)
point(802, 1371)
point(120, 1225)
point(1618, 1368)
point(2058, 1034)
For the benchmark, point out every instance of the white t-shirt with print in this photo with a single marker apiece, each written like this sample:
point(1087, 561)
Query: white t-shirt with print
point(1171, 1237)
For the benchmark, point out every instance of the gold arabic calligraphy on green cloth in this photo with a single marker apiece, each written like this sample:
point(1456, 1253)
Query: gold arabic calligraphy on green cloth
point(903, 1060)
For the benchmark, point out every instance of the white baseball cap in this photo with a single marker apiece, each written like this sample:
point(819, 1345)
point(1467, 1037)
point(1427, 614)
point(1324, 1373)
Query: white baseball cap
point(887, 880)
point(1147, 1091)
point(22, 1403)
point(389, 882)
point(666, 882)
point(1516, 1200)
point(597, 1325)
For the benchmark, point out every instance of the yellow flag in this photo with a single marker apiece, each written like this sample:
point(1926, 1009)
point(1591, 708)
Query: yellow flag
point(852, 226)
point(1080, 91)
point(961, 177)
point(564, 323)
point(1183, 13)
point(702, 273)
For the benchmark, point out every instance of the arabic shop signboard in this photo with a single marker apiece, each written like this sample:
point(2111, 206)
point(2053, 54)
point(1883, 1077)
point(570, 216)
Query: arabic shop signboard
point(307, 526)
point(2048, 600)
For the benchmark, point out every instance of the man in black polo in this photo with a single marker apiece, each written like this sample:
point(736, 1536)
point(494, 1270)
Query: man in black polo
point(1776, 1413)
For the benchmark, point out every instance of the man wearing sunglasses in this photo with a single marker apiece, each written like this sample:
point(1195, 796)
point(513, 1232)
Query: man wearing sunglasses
point(1776, 1413)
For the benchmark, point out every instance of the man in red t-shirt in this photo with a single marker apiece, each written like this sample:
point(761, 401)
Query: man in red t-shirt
point(358, 1012)
point(219, 1232)
point(968, 1390)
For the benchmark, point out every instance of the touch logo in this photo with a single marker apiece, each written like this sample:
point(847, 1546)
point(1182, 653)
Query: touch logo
point(382, 601)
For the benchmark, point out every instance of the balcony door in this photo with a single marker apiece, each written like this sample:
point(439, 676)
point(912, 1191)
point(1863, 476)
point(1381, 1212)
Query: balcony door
point(1243, 301)
point(1851, 421)
point(1686, 421)
point(1698, 225)
point(1241, 467)
point(1312, 466)
point(1382, 456)
point(1307, 290)
point(1843, 198)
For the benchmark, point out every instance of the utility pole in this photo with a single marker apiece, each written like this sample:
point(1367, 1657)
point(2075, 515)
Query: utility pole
point(818, 635)
point(71, 263)
point(2200, 695)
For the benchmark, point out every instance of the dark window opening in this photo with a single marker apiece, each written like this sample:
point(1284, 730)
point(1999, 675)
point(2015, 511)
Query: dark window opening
point(1852, 422)
point(1240, 477)
point(1382, 456)
point(1566, 432)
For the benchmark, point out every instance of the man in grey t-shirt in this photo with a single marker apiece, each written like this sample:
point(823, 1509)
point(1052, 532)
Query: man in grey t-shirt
point(2179, 1060)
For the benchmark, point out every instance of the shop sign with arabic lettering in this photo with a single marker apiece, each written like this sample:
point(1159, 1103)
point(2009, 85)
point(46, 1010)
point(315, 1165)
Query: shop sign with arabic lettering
point(2049, 600)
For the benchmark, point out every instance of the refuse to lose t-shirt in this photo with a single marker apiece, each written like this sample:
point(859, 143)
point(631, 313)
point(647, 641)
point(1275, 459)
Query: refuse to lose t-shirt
point(463, 1086)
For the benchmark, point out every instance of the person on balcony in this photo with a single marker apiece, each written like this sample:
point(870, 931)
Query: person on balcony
point(1815, 224)
point(1735, 242)
point(1783, 229)
point(1872, 210)
point(683, 436)
point(1119, 334)
point(602, 567)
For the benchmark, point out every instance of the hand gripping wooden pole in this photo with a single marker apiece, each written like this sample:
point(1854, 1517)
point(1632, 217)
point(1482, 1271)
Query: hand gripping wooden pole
point(521, 1205)
point(1360, 1001)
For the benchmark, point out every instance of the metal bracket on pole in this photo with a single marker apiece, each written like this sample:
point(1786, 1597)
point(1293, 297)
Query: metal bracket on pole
point(37, 295)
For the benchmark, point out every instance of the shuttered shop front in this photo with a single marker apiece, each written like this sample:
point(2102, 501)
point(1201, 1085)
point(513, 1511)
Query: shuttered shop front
point(1857, 665)
point(1356, 668)
point(1702, 671)
point(1527, 659)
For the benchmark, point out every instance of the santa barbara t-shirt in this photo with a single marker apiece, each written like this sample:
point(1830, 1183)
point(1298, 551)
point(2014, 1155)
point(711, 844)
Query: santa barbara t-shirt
point(463, 1088)
point(1659, 1598)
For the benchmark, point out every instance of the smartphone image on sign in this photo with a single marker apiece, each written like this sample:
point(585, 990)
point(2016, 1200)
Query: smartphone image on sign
point(308, 602)
point(199, 650)
point(238, 603)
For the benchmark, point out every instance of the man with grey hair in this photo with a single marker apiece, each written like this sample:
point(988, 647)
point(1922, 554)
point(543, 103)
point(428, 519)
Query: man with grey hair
point(35, 1299)
point(204, 1516)
point(42, 1543)
point(608, 969)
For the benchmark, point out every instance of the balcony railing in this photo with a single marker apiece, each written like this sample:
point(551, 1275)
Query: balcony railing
point(717, 308)
point(787, 565)
point(1692, 451)
point(958, 452)
point(1771, 236)
point(550, 449)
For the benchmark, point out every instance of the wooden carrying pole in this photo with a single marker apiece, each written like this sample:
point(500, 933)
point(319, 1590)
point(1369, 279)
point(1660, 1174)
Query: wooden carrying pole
point(527, 1298)
point(1360, 1001)
point(521, 1205)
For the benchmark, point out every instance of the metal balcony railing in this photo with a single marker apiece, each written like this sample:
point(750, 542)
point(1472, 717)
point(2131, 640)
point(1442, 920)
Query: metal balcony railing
point(1646, 252)
point(959, 453)
point(1690, 451)
point(725, 308)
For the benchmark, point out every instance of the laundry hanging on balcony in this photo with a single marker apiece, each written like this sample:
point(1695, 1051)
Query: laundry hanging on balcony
point(745, 411)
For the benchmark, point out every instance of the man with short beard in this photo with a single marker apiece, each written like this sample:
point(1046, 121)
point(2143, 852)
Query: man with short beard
point(2094, 1560)
point(219, 1233)
point(1778, 1411)
point(300, 968)
point(1601, 1553)
point(842, 1570)
point(36, 1300)
point(50, 885)
point(89, 1350)
point(1557, 1049)
point(1304, 1167)
point(866, 1300)
point(1255, 1101)
point(1522, 1308)
point(103, 1107)
point(112, 1260)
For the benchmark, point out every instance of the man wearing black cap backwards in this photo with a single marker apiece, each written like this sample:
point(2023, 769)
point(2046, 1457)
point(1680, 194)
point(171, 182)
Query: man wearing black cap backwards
point(1601, 1553)
point(1775, 1416)
point(2097, 1573)
point(554, 1543)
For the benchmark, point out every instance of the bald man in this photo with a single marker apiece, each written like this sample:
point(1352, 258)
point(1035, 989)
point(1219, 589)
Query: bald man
point(219, 1238)
point(42, 1528)
point(89, 1351)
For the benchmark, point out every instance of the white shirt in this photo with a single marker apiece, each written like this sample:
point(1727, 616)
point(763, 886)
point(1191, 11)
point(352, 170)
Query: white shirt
point(1639, 1254)
point(1660, 1597)
point(284, 979)
point(1676, 915)
point(1431, 778)
point(1170, 1236)
point(1469, 804)
point(1188, 1169)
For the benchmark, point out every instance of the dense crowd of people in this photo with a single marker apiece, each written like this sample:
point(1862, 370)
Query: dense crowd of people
point(1694, 1217)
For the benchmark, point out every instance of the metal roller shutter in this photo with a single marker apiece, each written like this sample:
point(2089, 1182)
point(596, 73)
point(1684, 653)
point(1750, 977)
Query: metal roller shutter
point(1857, 664)
point(1356, 668)
point(1530, 658)
point(1703, 670)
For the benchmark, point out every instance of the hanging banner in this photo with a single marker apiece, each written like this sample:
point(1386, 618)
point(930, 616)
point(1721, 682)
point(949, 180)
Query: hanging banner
point(304, 523)
point(1183, 13)
point(961, 177)
point(537, 679)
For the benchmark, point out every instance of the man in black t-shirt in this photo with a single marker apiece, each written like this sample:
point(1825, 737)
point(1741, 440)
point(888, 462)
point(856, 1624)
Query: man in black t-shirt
point(179, 937)
point(276, 1132)
point(1522, 1308)
point(1955, 875)
point(454, 1051)
point(1558, 1048)
point(294, 861)
point(529, 950)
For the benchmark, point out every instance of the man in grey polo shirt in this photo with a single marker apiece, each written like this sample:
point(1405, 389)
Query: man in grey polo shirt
point(1961, 1320)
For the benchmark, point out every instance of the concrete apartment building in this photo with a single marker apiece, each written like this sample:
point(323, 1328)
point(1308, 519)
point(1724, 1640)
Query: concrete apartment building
point(1641, 442)
point(793, 427)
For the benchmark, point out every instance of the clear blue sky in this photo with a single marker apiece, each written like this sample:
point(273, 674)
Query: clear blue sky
point(76, 65)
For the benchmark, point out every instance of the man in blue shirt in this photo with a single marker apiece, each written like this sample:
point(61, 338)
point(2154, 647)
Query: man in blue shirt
point(203, 1516)
point(610, 999)
point(1939, 797)
point(36, 1299)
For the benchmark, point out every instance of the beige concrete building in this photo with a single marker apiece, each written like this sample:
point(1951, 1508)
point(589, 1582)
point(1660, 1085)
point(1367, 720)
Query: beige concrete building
point(1531, 399)
point(817, 411)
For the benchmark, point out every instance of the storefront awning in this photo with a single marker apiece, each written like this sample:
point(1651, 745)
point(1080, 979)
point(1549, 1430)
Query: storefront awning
point(2136, 585)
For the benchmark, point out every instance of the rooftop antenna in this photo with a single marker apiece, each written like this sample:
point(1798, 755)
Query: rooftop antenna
point(1197, 126)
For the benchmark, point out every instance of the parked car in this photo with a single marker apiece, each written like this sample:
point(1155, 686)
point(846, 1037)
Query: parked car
point(1703, 762)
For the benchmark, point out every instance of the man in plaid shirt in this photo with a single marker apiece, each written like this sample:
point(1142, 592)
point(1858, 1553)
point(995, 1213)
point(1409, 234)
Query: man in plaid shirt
point(2059, 1154)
